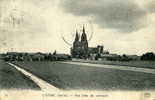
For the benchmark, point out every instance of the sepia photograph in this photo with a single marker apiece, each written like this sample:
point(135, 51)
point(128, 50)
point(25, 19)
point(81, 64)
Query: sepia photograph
point(77, 49)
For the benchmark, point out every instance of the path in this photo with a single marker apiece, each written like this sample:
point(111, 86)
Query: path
point(41, 83)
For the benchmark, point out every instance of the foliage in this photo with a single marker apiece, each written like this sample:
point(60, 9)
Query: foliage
point(150, 56)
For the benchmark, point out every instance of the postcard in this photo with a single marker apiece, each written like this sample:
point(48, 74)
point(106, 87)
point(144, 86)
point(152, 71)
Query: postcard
point(77, 50)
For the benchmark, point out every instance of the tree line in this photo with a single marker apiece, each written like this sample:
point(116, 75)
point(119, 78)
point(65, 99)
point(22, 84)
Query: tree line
point(149, 56)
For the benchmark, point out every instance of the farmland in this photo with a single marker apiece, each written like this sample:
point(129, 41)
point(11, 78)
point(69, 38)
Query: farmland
point(138, 64)
point(77, 77)
point(10, 78)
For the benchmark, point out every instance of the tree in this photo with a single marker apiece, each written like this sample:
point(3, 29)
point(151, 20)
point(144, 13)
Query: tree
point(150, 56)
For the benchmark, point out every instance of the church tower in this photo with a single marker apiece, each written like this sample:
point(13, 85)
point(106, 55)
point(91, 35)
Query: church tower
point(84, 44)
point(76, 43)
point(76, 50)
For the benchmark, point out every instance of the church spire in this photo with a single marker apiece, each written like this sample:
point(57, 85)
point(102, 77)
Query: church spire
point(77, 36)
point(84, 36)
point(83, 29)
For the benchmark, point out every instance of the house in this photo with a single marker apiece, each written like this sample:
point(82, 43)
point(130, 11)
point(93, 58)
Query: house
point(38, 56)
point(113, 57)
point(133, 57)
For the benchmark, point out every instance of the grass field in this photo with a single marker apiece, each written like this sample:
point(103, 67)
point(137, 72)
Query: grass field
point(10, 78)
point(140, 64)
point(71, 77)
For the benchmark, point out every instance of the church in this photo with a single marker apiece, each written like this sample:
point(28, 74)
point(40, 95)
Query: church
point(80, 48)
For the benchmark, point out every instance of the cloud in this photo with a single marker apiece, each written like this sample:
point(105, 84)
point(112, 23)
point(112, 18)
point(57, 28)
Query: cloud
point(43, 4)
point(122, 15)
point(151, 6)
point(19, 22)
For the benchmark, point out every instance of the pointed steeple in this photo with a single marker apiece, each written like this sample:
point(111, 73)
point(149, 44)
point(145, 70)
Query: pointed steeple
point(77, 36)
point(83, 30)
point(84, 36)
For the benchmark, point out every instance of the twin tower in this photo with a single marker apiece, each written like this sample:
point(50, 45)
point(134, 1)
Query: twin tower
point(80, 45)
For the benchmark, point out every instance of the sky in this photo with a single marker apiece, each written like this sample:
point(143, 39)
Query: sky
point(121, 26)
